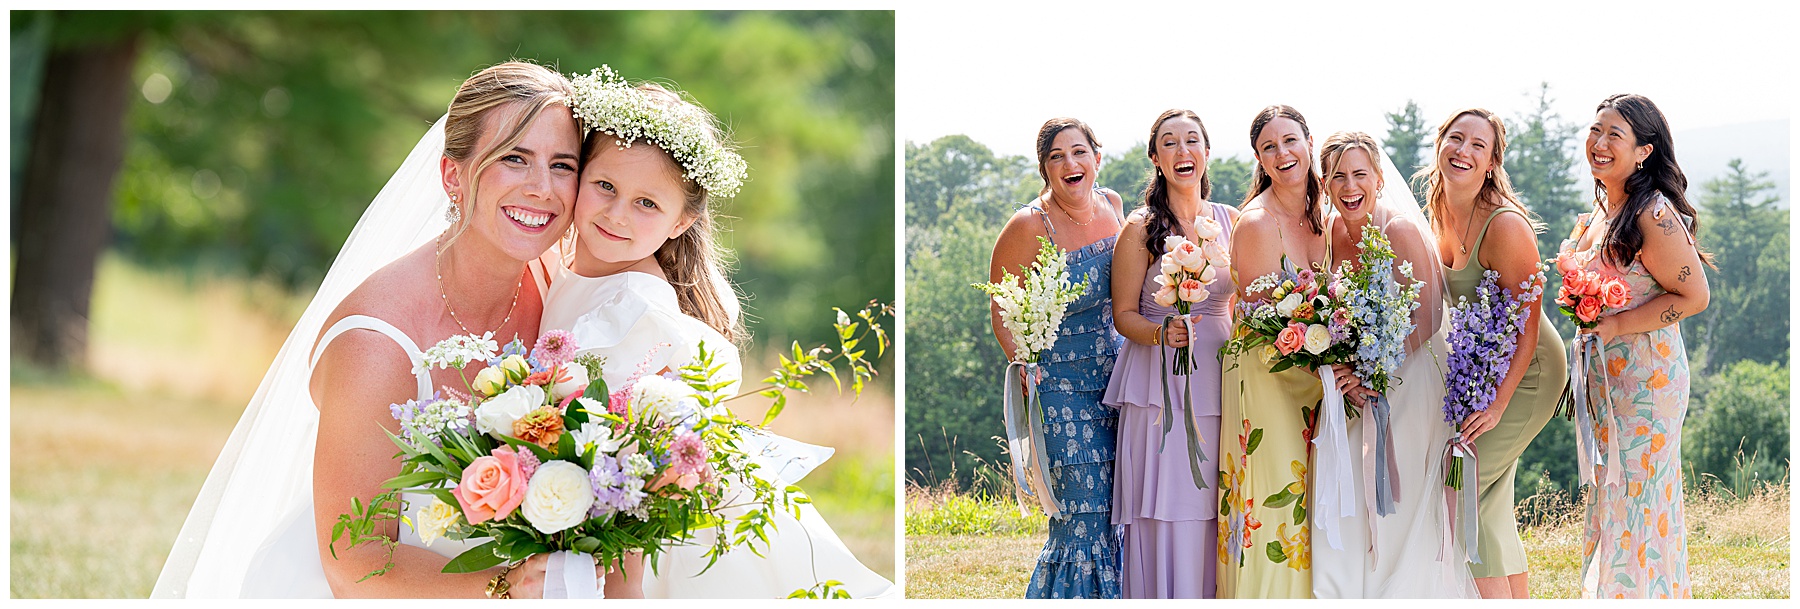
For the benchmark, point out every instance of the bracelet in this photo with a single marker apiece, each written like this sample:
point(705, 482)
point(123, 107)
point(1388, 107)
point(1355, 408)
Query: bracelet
point(1156, 337)
point(498, 587)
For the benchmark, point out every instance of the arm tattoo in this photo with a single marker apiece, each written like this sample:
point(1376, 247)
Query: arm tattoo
point(1671, 316)
point(1668, 226)
point(1682, 277)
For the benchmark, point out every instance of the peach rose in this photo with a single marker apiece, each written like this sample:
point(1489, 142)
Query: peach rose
point(1590, 286)
point(1291, 339)
point(1588, 309)
point(1574, 282)
point(1192, 291)
point(492, 486)
point(1165, 296)
point(1615, 293)
point(1188, 256)
point(1565, 263)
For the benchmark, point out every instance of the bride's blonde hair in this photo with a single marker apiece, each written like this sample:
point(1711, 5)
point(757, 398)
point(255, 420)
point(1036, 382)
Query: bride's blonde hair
point(531, 86)
point(693, 261)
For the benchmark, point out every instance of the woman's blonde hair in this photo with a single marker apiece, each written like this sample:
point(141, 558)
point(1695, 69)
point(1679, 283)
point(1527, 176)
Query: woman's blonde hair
point(528, 87)
point(693, 261)
point(1496, 188)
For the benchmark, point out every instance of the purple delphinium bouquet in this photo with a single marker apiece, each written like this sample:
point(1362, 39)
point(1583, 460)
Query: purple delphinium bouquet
point(1484, 335)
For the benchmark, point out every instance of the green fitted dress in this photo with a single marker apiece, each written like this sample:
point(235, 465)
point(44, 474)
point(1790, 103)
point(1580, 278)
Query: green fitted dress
point(1532, 405)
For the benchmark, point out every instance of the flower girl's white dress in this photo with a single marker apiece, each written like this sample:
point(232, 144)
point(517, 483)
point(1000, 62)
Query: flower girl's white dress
point(633, 321)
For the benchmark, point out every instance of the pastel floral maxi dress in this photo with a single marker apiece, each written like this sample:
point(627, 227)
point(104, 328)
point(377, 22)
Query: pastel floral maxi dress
point(1636, 544)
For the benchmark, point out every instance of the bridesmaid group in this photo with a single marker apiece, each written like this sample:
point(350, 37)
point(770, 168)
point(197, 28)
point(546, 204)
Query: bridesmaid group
point(1135, 525)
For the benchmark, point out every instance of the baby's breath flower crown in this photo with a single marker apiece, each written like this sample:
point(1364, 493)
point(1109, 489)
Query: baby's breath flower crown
point(604, 101)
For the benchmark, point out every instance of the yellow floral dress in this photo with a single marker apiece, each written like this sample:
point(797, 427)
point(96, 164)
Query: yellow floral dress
point(1264, 547)
point(1636, 544)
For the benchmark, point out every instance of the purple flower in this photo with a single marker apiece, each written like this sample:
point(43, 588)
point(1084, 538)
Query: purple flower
point(1484, 335)
point(528, 463)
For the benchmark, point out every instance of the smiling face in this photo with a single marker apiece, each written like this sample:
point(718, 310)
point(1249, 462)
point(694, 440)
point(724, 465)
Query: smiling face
point(1072, 164)
point(1465, 151)
point(1180, 151)
point(1612, 150)
point(523, 199)
point(631, 202)
point(1354, 184)
point(1285, 153)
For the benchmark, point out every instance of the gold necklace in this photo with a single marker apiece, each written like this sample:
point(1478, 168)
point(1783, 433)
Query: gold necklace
point(1065, 211)
point(439, 264)
point(1463, 241)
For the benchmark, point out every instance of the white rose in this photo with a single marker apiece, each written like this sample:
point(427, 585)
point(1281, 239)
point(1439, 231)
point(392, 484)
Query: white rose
point(1287, 305)
point(1206, 228)
point(1168, 266)
point(497, 414)
point(601, 437)
point(558, 497)
point(1215, 254)
point(578, 379)
point(1317, 339)
point(434, 520)
point(1172, 241)
point(1209, 274)
point(659, 397)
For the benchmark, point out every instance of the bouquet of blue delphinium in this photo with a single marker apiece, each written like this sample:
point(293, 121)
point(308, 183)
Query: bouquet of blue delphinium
point(1381, 310)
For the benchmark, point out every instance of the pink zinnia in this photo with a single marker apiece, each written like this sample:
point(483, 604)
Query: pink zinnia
point(554, 348)
point(687, 454)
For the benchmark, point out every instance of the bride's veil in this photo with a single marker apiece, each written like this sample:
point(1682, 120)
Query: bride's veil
point(264, 473)
point(1396, 205)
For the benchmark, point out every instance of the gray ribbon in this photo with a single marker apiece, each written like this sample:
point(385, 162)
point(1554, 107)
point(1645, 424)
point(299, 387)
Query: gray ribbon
point(1024, 414)
point(1387, 469)
point(1586, 448)
point(1195, 455)
point(1461, 500)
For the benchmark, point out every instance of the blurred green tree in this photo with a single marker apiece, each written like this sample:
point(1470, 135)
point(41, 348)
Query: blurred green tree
point(1747, 317)
point(1737, 427)
point(256, 138)
point(1409, 144)
point(1230, 179)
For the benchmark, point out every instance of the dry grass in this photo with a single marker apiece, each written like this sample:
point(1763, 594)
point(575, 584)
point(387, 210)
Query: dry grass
point(970, 566)
point(94, 513)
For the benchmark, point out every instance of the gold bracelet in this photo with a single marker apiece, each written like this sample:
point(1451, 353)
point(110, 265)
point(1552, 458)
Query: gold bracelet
point(1156, 337)
point(498, 587)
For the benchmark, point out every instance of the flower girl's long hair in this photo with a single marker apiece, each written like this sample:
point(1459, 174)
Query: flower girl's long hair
point(693, 261)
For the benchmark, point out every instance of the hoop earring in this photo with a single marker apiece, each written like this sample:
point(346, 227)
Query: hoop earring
point(453, 214)
point(1640, 164)
point(1490, 174)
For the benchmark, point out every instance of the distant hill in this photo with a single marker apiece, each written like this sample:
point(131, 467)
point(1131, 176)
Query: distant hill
point(1763, 145)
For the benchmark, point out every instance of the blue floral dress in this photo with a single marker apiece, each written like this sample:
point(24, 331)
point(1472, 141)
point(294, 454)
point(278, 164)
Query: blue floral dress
point(1081, 557)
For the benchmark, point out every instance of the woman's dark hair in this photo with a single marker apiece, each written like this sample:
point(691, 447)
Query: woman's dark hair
point(1162, 221)
point(1659, 173)
point(1260, 180)
point(1047, 138)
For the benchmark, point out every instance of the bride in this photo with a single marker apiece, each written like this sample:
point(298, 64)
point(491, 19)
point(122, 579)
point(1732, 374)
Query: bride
point(1396, 555)
point(451, 245)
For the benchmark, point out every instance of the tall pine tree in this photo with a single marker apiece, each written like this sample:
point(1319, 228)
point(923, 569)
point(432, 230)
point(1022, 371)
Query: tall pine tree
point(1748, 236)
point(1541, 159)
point(1409, 144)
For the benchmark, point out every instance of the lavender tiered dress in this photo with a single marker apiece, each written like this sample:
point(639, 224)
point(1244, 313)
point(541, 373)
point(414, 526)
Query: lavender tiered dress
point(1170, 527)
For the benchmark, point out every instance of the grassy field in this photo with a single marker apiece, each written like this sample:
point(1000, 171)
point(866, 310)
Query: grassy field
point(105, 466)
point(961, 546)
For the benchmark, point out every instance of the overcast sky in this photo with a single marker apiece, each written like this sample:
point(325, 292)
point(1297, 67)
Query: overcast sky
point(995, 74)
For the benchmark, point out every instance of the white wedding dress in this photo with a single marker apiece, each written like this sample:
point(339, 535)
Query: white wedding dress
point(632, 320)
point(251, 533)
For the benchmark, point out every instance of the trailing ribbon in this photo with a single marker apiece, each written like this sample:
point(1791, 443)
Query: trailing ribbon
point(1588, 448)
point(572, 575)
point(1195, 455)
point(1463, 500)
point(1334, 496)
point(1383, 472)
point(1024, 414)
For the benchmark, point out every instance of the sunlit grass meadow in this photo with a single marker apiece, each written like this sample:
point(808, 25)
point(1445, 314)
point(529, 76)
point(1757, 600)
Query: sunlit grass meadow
point(106, 465)
point(977, 545)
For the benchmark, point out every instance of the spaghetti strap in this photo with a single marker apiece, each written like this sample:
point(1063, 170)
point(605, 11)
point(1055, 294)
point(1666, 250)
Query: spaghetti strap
point(364, 322)
point(1045, 216)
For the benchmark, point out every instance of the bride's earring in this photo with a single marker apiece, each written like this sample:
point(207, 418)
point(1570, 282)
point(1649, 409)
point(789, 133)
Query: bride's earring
point(453, 214)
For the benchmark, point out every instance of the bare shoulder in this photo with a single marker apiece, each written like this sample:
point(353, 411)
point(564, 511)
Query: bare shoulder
point(1255, 225)
point(1230, 212)
point(1023, 227)
point(396, 293)
point(1662, 224)
point(1511, 233)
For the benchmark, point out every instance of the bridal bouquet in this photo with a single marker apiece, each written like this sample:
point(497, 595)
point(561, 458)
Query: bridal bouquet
point(1187, 268)
point(1032, 311)
point(537, 455)
point(1381, 312)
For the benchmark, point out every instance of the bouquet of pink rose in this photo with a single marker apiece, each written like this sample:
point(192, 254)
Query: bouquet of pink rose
point(1187, 268)
point(542, 458)
point(1585, 295)
point(1306, 322)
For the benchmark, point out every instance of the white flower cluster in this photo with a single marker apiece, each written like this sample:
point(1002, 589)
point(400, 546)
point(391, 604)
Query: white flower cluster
point(606, 102)
point(457, 351)
point(1033, 312)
